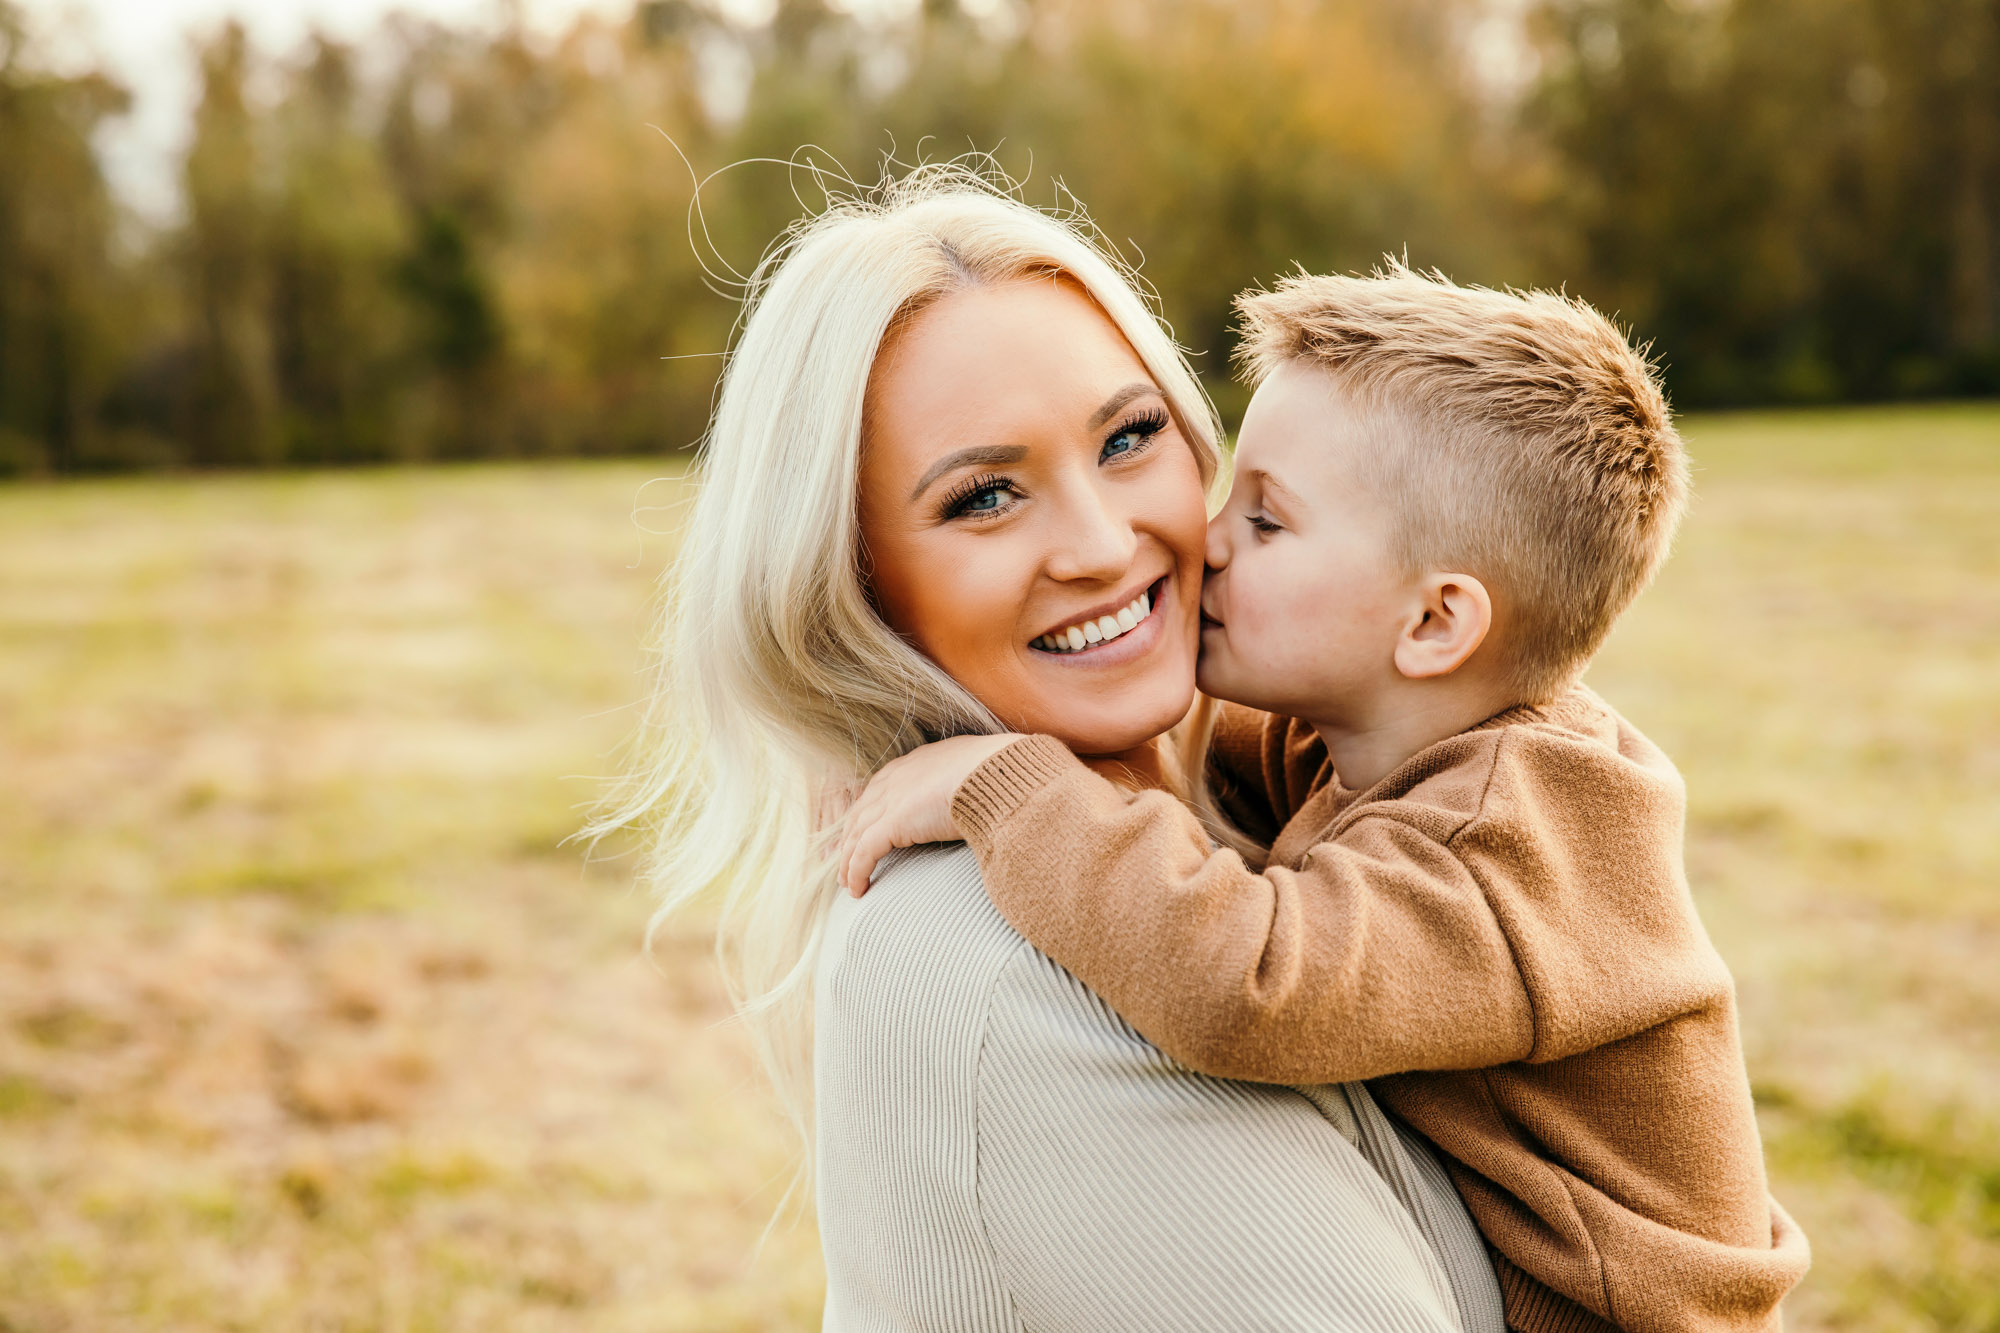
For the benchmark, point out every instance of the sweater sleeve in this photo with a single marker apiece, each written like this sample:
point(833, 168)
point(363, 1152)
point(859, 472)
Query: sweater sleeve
point(1378, 955)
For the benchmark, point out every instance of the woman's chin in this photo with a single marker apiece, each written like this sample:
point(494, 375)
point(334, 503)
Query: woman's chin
point(1125, 727)
point(1117, 712)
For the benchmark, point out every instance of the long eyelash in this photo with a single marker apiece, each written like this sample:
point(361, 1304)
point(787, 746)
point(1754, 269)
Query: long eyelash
point(1145, 424)
point(958, 496)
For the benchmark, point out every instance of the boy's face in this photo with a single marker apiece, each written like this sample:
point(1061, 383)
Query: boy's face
point(1304, 597)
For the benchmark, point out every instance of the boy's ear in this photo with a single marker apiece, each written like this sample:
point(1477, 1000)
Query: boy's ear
point(1450, 621)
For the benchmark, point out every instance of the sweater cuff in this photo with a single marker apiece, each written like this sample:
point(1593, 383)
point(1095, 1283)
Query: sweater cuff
point(1534, 1308)
point(1003, 784)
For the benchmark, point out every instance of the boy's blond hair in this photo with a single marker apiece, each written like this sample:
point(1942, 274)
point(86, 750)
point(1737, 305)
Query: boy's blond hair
point(1528, 443)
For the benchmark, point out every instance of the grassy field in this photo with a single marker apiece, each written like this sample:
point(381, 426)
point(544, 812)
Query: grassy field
point(307, 1022)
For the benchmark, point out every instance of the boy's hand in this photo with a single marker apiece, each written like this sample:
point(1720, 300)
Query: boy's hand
point(909, 802)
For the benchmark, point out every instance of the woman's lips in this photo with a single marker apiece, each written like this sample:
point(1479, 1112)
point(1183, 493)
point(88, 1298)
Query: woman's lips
point(1128, 645)
point(1099, 626)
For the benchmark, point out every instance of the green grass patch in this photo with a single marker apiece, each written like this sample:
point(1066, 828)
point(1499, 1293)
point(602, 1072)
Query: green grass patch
point(24, 1098)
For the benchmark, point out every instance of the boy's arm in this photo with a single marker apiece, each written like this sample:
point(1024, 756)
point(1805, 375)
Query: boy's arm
point(1379, 955)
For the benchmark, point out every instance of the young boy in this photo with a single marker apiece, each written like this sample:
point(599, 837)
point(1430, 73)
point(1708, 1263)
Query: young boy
point(1474, 895)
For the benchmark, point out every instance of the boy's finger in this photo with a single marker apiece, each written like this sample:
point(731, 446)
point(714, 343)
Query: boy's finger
point(865, 810)
point(851, 819)
point(847, 881)
point(853, 870)
point(874, 845)
point(841, 856)
point(848, 847)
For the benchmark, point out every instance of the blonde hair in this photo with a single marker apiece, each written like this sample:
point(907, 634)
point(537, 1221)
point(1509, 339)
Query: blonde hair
point(776, 679)
point(1526, 442)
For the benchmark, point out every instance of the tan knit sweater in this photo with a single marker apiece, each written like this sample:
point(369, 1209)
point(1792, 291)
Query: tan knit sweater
point(1499, 933)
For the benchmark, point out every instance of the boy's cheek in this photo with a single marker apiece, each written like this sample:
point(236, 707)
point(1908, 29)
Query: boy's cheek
point(1211, 672)
point(1206, 675)
point(1220, 671)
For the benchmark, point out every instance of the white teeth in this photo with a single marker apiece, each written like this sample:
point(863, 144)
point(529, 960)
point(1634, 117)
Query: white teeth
point(1101, 630)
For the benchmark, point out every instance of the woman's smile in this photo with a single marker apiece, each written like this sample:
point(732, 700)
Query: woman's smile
point(1105, 638)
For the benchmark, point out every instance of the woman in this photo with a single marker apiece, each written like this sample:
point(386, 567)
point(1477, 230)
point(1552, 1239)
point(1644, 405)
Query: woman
point(950, 432)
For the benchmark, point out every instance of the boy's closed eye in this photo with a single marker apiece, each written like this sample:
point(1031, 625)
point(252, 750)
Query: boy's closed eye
point(1274, 506)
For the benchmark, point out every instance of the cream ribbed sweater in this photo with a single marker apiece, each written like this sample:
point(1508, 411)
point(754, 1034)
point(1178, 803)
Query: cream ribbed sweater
point(1000, 1153)
point(1500, 933)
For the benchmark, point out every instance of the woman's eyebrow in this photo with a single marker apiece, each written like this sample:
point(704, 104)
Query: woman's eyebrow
point(1136, 389)
point(979, 455)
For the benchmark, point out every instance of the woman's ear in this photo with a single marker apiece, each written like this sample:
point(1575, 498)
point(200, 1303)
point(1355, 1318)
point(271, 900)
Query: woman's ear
point(1452, 617)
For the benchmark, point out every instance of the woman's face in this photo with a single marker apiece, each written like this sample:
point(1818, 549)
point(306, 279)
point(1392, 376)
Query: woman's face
point(1024, 488)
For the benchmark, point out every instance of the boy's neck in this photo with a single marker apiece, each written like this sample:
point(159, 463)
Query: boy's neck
point(1373, 743)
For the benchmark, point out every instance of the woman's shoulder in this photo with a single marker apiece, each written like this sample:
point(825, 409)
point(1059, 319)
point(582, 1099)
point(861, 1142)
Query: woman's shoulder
point(905, 986)
point(924, 944)
point(923, 990)
point(902, 989)
point(925, 961)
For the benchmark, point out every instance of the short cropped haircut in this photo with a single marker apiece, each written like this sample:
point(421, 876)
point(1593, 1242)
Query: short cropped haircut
point(1525, 442)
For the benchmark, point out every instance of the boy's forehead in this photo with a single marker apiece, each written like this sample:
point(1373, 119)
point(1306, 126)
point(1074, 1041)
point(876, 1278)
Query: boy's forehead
point(1298, 429)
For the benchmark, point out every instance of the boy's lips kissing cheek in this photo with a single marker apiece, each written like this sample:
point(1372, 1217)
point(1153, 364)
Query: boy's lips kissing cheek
point(1211, 607)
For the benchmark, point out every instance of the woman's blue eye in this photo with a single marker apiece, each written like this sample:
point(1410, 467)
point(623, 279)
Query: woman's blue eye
point(978, 495)
point(1133, 435)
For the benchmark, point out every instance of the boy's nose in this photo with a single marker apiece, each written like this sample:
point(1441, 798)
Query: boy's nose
point(1215, 545)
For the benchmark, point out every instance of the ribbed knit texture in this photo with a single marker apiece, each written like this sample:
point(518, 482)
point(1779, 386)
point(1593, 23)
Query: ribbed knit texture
point(1499, 933)
point(1534, 1308)
point(999, 1151)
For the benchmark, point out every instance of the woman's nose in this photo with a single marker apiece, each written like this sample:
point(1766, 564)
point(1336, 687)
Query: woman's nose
point(1098, 541)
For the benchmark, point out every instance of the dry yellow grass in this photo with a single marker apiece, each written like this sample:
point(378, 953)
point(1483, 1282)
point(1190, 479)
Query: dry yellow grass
point(1822, 658)
point(307, 1022)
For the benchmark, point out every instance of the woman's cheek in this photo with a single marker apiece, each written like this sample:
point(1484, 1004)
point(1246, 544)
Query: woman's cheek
point(1189, 505)
point(1177, 515)
point(975, 614)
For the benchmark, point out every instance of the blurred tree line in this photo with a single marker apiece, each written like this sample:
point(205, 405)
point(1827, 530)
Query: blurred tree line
point(471, 242)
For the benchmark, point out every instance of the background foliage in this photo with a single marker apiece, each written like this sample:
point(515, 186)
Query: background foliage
point(452, 243)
